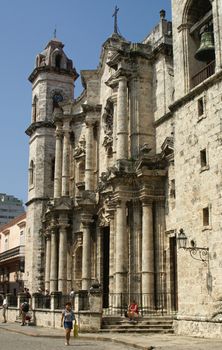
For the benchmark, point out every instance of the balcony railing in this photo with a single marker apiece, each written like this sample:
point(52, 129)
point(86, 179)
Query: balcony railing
point(12, 253)
point(203, 74)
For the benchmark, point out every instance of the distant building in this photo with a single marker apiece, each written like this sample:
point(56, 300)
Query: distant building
point(10, 207)
point(12, 251)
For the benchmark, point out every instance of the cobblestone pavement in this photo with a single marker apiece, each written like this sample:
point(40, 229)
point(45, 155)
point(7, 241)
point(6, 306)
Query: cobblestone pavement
point(15, 337)
point(21, 342)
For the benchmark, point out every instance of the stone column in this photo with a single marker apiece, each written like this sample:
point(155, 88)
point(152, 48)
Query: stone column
point(48, 260)
point(111, 254)
point(89, 156)
point(58, 162)
point(114, 100)
point(135, 252)
point(159, 247)
point(121, 249)
point(134, 118)
point(86, 254)
point(122, 120)
point(147, 253)
point(62, 273)
point(65, 160)
point(53, 262)
point(69, 267)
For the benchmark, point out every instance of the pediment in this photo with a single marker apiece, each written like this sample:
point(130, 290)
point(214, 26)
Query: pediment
point(167, 147)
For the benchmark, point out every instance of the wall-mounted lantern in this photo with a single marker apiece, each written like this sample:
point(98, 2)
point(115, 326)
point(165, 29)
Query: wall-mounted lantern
point(197, 253)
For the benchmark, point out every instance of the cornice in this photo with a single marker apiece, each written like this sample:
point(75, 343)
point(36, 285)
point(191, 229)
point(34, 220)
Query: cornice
point(91, 108)
point(72, 72)
point(43, 124)
point(164, 118)
point(197, 90)
point(36, 199)
point(117, 76)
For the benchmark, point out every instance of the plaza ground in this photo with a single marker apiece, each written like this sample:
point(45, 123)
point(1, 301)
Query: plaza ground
point(99, 340)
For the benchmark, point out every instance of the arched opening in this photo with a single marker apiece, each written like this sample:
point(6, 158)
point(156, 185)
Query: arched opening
point(58, 60)
point(31, 173)
point(201, 51)
point(57, 97)
point(34, 109)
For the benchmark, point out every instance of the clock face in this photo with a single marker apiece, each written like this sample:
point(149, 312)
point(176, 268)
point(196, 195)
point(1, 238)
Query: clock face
point(57, 98)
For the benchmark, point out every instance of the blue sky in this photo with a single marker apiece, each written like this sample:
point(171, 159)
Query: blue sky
point(25, 28)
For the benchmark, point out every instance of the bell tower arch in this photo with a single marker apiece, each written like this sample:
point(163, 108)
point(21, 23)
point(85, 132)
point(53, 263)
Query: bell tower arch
point(197, 42)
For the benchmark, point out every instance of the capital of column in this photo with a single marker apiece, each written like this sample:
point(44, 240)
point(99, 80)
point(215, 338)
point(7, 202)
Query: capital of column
point(119, 202)
point(53, 227)
point(147, 201)
point(113, 98)
point(59, 133)
point(86, 220)
point(48, 234)
point(66, 127)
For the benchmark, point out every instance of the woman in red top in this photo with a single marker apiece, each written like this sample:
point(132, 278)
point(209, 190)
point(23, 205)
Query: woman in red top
point(133, 311)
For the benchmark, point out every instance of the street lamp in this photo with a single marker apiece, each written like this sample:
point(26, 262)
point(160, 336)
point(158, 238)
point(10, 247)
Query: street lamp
point(197, 253)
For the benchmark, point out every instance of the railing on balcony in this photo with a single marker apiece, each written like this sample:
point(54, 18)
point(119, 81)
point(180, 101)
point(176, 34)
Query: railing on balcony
point(203, 74)
point(11, 253)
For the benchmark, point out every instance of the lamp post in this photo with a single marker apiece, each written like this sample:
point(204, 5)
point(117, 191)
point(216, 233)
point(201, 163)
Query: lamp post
point(197, 253)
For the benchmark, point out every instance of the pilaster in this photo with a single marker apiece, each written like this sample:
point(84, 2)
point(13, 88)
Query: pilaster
point(86, 252)
point(62, 271)
point(65, 159)
point(147, 250)
point(89, 155)
point(58, 162)
point(47, 259)
point(54, 260)
point(121, 248)
point(122, 120)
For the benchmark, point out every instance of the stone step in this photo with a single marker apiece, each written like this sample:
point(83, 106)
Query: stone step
point(133, 325)
point(137, 330)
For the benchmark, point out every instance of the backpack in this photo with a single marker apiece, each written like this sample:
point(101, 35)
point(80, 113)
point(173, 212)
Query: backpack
point(25, 307)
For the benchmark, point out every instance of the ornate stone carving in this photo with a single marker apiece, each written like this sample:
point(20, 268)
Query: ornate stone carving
point(108, 126)
point(80, 149)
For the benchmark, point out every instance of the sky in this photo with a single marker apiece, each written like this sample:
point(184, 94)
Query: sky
point(26, 26)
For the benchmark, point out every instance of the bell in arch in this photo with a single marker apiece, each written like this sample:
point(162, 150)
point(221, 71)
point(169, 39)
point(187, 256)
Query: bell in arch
point(206, 51)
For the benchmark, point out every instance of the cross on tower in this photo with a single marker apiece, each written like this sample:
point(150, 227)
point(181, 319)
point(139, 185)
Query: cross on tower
point(115, 20)
point(55, 32)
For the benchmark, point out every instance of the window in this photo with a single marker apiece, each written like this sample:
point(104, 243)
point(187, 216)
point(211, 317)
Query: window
point(206, 216)
point(172, 189)
point(6, 243)
point(22, 238)
point(203, 159)
point(200, 103)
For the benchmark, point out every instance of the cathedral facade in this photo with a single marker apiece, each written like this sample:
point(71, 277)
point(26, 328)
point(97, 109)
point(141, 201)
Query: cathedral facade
point(129, 172)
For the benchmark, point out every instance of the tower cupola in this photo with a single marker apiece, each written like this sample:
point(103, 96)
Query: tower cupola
point(53, 59)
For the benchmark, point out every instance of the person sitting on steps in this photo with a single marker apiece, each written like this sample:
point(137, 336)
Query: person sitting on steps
point(133, 311)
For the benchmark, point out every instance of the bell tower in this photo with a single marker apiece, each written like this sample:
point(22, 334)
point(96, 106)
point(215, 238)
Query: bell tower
point(52, 82)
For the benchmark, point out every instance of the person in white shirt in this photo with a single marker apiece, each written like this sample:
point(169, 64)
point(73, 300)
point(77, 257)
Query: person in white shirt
point(4, 308)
